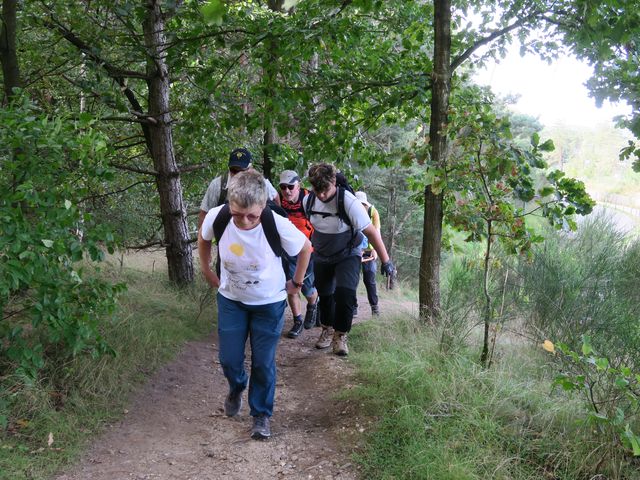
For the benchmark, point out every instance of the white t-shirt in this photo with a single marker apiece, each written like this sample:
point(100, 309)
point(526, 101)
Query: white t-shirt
point(249, 270)
point(212, 195)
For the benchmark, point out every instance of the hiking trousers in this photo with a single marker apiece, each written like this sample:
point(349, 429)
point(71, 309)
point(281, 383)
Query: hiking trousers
point(369, 280)
point(337, 282)
point(262, 324)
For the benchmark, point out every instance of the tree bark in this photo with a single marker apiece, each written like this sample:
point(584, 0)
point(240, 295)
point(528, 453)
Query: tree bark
point(429, 289)
point(172, 209)
point(8, 54)
point(269, 77)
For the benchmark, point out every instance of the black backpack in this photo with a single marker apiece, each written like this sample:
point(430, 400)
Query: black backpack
point(268, 225)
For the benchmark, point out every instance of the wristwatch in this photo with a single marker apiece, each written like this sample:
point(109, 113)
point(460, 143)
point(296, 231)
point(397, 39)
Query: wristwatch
point(296, 284)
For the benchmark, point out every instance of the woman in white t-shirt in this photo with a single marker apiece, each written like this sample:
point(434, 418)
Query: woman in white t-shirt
point(252, 290)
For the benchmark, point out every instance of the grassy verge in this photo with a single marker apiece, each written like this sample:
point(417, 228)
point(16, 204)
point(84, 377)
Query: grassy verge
point(442, 417)
point(73, 401)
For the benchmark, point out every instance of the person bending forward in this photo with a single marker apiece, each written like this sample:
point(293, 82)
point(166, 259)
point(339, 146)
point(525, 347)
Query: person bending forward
point(252, 292)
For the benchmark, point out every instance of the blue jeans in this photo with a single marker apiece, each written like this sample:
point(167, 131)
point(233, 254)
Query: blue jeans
point(262, 324)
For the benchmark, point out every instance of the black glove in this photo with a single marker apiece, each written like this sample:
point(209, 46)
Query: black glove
point(388, 269)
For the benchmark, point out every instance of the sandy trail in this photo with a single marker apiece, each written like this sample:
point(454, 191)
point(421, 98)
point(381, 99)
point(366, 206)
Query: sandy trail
point(175, 427)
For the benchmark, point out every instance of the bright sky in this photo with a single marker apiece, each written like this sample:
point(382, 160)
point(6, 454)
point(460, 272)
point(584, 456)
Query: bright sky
point(554, 93)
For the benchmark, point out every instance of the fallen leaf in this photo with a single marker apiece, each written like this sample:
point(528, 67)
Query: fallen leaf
point(50, 440)
point(548, 346)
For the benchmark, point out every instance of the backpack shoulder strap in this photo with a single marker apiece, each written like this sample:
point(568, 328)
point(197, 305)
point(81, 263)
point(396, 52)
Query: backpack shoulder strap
point(370, 210)
point(224, 179)
point(271, 231)
point(310, 202)
point(342, 212)
point(219, 225)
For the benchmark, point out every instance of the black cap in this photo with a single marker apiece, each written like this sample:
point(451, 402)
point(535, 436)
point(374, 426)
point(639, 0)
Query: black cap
point(240, 158)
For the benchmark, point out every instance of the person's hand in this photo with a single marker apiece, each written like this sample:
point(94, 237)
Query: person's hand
point(212, 279)
point(388, 269)
point(291, 288)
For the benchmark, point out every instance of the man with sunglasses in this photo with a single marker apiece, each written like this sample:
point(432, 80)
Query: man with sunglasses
point(291, 196)
point(239, 160)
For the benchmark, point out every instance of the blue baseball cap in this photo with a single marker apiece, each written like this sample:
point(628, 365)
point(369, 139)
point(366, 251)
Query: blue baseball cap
point(240, 158)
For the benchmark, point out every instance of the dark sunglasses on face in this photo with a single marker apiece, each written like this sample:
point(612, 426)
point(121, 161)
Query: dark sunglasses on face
point(235, 170)
point(287, 187)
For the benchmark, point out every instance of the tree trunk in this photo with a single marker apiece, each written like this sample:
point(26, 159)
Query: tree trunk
point(269, 77)
point(8, 54)
point(429, 290)
point(488, 307)
point(172, 209)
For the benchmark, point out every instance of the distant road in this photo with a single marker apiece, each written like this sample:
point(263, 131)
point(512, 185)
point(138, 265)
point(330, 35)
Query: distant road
point(622, 220)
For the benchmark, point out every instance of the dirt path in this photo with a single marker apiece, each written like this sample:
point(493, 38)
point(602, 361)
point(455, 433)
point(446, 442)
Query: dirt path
point(175, 427)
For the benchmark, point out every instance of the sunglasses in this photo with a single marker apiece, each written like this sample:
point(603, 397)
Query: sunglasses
point(250, 217)
point(235, 170)
point(287, 187)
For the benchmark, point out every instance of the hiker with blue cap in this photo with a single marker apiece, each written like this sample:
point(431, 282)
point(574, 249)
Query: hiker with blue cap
point(239, 161)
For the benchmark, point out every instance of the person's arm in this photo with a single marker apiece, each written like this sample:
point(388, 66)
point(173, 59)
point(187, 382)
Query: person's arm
point(301, 268)
point(375, 239)
point(201, 215)
point(210, 199)
point(375, 218)
point(204, 252)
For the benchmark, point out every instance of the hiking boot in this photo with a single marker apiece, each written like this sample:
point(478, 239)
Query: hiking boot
point(324, 341)
point(296, 329)
point(355, 312)
point(310, 316)
point(339, 343)
point(233, 403)
point(261, 429)
point(375, 311)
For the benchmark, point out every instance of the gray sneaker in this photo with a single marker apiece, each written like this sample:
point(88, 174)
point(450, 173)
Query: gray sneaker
point(296, 329)
point(261, 429)
point(324, 341)
point(233, 403)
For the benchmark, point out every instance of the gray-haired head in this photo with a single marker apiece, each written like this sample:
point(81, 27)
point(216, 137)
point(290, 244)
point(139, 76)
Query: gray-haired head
point(247, 189)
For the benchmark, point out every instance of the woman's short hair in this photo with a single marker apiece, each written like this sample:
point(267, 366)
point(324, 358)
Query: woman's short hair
point(247, 189)
point(322, 176)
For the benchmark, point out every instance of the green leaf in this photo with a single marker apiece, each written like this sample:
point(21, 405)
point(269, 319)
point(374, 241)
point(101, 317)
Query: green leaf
point(634, 441)
point(621, 382)
point(546, 191)
point(67, 204)
point(535, 139)
point(213, 11)
point(602, 363)
point(47, 243)
point(547, 146)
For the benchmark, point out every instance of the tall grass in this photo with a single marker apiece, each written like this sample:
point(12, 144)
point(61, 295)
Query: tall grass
point(73, 399)
point(440, 416)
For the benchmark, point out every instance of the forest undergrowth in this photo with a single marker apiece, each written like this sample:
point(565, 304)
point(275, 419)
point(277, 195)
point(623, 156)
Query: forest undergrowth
point(76, 396)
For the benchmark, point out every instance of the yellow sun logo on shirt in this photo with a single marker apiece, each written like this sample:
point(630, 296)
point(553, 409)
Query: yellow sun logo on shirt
point(236, 249)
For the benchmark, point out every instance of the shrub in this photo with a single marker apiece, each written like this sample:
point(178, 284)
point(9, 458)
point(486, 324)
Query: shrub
point(584, 284)
point(50, 302)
